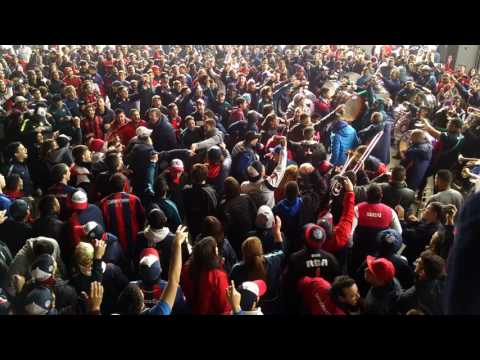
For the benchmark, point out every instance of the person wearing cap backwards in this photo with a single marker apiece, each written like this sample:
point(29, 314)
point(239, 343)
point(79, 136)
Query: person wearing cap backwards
point(322, 298)
point(260, 187)
point(44, 273)
point(151, 281)
point(244, 300)
point(385, 289)
point(164, 137)
point(132, 300)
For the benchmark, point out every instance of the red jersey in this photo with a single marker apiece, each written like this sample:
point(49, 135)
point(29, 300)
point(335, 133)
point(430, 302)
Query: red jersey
point(211, 298)
point(316, 296)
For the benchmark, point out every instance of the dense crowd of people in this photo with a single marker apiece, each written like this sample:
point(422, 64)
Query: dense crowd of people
point(243, 180)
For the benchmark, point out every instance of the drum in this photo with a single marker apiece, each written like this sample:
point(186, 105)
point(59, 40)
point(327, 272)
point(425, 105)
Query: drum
point(352, 77)
point(353, 108)
point(332, 87)
point(401, 126)
point(404, 142)
point(430, 101)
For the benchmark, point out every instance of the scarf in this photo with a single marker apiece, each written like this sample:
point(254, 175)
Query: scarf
point(213, 170)
point(154, 236)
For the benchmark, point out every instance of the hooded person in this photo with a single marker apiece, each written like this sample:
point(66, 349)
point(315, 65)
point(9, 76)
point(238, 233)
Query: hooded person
point(44, 273)
point(343, 138)
point(251, 292)
point(157, 235)
point(22, 262)
point(151, 283)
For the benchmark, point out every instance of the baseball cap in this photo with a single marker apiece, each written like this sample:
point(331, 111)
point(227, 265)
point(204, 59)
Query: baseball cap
point(381, 268)
point(254, 171)
point(19, 209)
point(38, 301)
point(390, 239)
point(42, 268)
point(143, 132)
point(63, 140)
point(96, 145)
point(94, 231)
point(264, 218)
point(79, 200)
point(149, 266)
point(276, 150)
point(176, 165)
point(315, 236)
point(251, 291)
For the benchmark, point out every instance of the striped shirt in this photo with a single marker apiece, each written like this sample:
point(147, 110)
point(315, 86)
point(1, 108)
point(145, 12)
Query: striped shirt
point(124, 217)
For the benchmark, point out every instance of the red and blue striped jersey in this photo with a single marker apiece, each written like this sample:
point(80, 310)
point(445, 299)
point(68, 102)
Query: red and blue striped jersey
point(124, 217)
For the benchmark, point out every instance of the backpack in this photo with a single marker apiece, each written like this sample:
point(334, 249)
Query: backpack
point(5, 261)
point(240, 163)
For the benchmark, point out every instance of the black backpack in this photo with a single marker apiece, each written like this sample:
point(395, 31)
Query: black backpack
point(5, 261)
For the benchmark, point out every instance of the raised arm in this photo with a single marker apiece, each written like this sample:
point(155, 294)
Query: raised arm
point(430, 129)
point(279, 171)
point(170, 292)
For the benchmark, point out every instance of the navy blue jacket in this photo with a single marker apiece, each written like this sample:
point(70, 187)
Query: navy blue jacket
point(462, 293)
point(163, 136)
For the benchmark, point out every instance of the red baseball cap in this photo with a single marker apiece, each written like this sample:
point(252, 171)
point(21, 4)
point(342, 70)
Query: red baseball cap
point(381, 268)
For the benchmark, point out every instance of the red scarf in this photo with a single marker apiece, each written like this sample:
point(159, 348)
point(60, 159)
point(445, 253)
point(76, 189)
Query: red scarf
point(213, 170)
